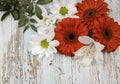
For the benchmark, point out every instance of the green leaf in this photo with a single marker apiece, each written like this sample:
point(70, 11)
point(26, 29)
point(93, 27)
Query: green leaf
point(22, 13)
point(26, 28)
point(5, 7)
point(42, 2)
point(28, 2)
point(22, 22)
point(38, 12)
point(15, 14)
point(33, 21)
point(5, 15)
point(33, 28)
point(31, 14)
point(30, 9)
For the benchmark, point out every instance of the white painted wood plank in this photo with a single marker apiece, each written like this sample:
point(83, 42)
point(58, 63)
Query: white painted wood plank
point(17, 66)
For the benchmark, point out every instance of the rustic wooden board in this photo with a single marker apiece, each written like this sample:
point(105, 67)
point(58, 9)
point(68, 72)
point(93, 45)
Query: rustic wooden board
point(17, 66)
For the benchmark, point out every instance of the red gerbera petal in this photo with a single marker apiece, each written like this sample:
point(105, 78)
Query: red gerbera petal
point(67, 32)
point(107, 32)
point(91, 10)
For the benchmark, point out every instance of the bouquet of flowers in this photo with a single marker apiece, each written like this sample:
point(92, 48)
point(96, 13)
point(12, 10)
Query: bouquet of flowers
point(82, 30)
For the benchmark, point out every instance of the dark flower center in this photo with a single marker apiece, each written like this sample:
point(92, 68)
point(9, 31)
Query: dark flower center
point(71, 36)
point(89, 14)
point(107, 33)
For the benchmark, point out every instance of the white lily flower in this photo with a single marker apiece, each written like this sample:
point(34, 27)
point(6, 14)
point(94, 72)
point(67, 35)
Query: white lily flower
point(63, 8)
point(90, 52)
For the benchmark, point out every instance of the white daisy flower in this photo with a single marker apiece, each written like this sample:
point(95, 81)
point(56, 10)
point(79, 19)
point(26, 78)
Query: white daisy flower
point(63, 8)
point(41, 45)
point(90, 52)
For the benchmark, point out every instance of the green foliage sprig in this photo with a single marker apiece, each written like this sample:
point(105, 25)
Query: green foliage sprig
point(23, 10)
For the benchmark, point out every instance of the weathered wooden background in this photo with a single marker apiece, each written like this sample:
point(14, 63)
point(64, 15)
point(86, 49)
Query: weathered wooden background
point(17, 66)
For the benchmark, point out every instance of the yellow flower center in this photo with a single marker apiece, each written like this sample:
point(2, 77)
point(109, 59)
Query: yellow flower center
point(44, 43)
point(63, 11)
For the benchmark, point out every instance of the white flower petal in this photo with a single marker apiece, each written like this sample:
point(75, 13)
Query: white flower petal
point(56, 5)
point(74, 16)
point(54, 43)
point(63, 2)
point(51, 35)
point(71, 1)
point(34, 37)
point(35, 50)
point(47, 54)
point(47, 33)
point(99, 46)
point(53, 18)
point(85, 39)
point(72, 11)
point(41, 55)
point(79, 53)
point(52, 50)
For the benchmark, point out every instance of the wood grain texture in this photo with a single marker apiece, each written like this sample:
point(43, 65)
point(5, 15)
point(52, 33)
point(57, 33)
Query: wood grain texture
point(17, 66)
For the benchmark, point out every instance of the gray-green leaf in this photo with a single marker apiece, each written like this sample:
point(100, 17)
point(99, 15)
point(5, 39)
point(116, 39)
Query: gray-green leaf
point(28, 2)
point(33, 28)
point(15, 14)
point(33, 21)
point(38, 12)
point(26, 28)
point(42, 2)
point(30, 9)
point(5, 15)
point(22, 22)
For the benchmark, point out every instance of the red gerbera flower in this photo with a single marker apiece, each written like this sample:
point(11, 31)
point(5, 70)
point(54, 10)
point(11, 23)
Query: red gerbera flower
point(107, 32)
point(67, 32)
point(91, 10)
